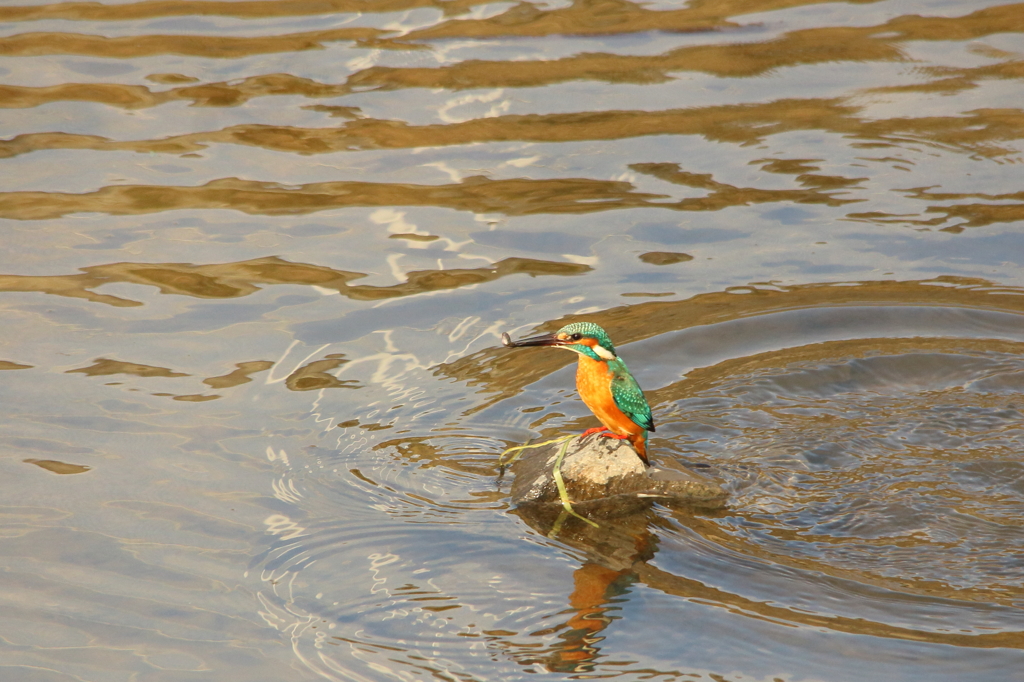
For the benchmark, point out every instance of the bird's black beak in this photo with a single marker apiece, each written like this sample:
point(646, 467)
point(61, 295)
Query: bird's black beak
point(542, 340)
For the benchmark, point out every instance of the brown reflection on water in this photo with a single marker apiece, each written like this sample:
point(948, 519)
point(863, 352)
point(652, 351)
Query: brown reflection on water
point(316, 375)
point(664, 258)
point(58, 467)
point(980, 132)
point(803, 47)
point(508, 373)
point(232, 280)
point(302, 379)
point(241, 375)
point(219, 94)
point(603, 17)
point(951, 80)
point(244, 9)
point(190, 398)
point(808, 46)
point(971, 214)
point(740, 123)
point(474, 194)
point(216, 47)
point(724, 196)
point(74, 286)
point(588, 17)
point(103, 367)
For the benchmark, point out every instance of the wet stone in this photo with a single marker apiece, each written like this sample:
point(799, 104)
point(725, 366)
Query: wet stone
point(604, 472)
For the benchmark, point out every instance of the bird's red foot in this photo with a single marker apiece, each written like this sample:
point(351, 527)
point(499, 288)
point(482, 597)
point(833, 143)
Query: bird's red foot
point(603, 432)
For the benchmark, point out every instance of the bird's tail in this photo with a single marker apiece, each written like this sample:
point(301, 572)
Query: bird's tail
point(639, 441)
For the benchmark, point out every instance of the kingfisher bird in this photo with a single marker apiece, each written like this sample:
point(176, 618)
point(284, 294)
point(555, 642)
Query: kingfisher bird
point(603, 382)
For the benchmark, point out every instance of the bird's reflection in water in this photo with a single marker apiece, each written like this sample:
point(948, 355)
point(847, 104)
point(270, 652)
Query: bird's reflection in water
point(612, 553)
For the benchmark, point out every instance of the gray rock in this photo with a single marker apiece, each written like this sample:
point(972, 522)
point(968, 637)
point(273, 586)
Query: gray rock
point(606, 474)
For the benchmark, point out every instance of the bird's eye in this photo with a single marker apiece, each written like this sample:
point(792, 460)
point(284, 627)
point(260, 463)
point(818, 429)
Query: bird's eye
point(576, 337)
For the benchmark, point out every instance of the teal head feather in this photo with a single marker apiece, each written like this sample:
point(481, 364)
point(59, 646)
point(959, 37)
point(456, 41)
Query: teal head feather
point(577, 331)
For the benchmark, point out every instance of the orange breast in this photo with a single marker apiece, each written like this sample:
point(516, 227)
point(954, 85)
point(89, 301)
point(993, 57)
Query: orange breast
point(594, 383)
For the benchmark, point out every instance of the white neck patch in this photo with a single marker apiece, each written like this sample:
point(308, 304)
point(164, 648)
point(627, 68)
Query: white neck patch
point(598, 349)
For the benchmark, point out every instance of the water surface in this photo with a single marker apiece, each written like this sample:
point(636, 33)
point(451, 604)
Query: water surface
point(257, 257)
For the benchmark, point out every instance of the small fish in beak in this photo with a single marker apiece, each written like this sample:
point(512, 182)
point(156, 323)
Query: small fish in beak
point(542, 340)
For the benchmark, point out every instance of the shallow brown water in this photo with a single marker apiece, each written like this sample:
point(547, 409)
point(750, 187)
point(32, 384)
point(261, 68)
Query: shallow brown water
point(257, 256)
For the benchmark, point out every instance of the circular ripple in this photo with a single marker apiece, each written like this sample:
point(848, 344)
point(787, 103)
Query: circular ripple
point(876, 490)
